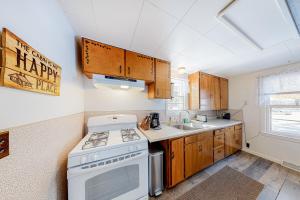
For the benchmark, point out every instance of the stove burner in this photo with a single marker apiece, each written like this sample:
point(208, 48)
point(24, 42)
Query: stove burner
point(129, 135)
point(96, 140)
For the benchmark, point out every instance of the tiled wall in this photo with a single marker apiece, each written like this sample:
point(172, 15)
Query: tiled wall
point(37, 165)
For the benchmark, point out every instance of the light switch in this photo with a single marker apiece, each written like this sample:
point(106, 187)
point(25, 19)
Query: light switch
point(4, 144)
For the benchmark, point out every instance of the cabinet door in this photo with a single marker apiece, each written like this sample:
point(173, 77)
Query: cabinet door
point(205, 147)
point(229, 141)
point(238, 137)
point(224, 93)
point(205, 91)
point(98, 58)
point(177, 161)
point(194, 95)
point(192, 157)
point(139, 66)
point(215, 93)
point(162, 80)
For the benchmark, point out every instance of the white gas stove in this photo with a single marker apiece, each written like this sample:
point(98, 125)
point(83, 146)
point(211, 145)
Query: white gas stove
point(115, 150)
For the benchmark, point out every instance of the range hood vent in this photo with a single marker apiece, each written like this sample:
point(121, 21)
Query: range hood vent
point(120, 83)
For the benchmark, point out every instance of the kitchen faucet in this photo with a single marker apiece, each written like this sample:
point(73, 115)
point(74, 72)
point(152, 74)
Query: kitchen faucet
point(180, 116)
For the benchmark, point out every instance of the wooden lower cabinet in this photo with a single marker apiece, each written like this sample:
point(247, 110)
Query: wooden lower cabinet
point(219, 148)
point(188, 155)
point(198, 152)
point(174, 161)
point(177, 161)
point(233, 139)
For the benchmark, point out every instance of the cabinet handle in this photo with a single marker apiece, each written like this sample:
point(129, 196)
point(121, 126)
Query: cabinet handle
point(128, 68)
point(152, 69)
point(172, 155)
point(200, 148)
point(120, 69)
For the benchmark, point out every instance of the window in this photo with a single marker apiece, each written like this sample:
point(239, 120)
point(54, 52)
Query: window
point(179, 95)
point(280, 102)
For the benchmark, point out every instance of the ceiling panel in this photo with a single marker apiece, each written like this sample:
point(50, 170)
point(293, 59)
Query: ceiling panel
point(262, 21)
point(294, 47)
point(278, 55)
point(198, 41)
point(80, 15)
point(176, 8)
point(153, 28)
point(116, 20)
point(202, 16)
point(206, 50)
point(181, 38)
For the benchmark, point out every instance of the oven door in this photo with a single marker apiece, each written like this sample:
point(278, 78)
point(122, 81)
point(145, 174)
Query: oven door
point(125, 177)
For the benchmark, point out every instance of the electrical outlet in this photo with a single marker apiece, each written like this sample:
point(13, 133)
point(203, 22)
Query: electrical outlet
point(4, 144)
point(248, 145)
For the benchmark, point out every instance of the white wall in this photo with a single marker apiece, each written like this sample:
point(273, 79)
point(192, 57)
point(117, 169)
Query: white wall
point(108, 99)
point(42, 25)
point(244, 88)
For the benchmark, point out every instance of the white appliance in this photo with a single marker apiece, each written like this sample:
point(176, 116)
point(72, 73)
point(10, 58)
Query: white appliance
point(110, 162)
point(114, 82)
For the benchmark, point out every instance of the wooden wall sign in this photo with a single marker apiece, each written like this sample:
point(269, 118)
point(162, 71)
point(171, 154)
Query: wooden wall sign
point(23, 67)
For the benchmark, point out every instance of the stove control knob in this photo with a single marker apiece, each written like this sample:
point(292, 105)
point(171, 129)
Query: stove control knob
point(83, 160)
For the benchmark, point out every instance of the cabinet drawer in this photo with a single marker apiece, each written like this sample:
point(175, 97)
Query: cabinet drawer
point(218, 140)
point(198, 137)
point(238, 127)
point(220, 132)
point(191, 139)
point(205, 136)
point(219, 153)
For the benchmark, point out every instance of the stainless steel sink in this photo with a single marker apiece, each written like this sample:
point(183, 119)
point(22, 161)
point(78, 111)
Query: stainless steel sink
point(186, 127)
point(192, 126)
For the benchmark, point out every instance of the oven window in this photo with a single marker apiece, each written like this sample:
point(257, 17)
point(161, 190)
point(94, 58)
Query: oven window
point(113, 183)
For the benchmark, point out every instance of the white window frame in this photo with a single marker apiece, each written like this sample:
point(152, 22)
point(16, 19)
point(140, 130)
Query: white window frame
point(267, 115)
point(184, 97)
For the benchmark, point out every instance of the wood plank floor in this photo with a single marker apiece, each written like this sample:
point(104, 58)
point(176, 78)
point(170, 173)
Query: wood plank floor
point(280, 183)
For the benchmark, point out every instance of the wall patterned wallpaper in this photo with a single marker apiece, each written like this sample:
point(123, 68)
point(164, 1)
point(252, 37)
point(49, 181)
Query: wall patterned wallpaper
point(36, 168)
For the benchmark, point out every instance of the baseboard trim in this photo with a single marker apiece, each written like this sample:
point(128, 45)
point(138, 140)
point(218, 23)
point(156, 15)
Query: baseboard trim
point(263, 156)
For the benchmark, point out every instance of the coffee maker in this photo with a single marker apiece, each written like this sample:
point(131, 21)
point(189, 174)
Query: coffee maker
point(154, 122)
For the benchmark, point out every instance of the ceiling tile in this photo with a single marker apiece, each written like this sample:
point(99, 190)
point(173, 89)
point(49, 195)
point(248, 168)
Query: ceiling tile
point(294, 47)
point(80, 15)
point(262, 21)
point(181, 38)
point(177, 8)
point(275, 56)
point(154, 26)
point(202, 16)
point(206, 50)
point(116, 20)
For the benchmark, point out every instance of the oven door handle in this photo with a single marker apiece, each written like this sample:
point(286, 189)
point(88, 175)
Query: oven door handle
point(78, 171)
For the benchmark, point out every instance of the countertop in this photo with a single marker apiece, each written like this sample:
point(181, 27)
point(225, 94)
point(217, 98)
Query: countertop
point(168, 132)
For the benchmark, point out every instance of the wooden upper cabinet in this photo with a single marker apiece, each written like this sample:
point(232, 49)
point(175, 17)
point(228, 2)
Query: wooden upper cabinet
point(211, 92)
point(205, 91)
point(139, 66)
point(223, 94)
point(194, 94)
point(99, 58)
point(215, 93)
point(161, 88)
